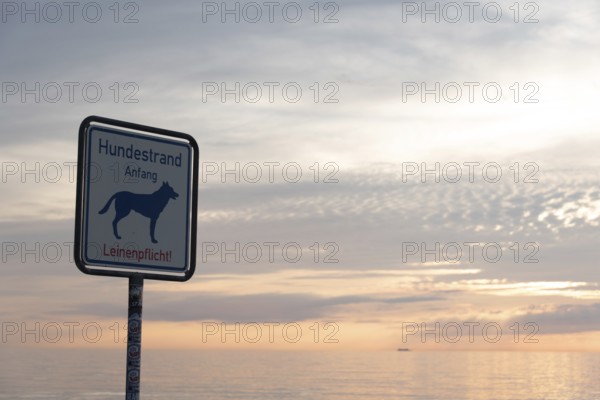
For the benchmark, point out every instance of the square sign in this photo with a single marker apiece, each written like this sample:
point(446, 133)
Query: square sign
point(136, 201)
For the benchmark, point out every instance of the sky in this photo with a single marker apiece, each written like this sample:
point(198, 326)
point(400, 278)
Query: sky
point(371, 177)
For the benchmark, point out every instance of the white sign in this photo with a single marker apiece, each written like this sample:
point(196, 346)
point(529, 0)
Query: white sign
point(137, 202)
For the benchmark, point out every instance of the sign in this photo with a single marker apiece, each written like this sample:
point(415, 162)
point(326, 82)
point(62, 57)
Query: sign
point(136, 201)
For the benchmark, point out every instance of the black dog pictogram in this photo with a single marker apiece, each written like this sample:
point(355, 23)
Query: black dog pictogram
point(149, 205)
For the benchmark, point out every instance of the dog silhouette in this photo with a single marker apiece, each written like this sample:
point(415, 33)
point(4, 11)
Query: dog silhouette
point(149, 205)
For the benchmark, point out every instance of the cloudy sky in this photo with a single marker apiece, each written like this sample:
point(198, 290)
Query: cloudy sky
point(362, 98)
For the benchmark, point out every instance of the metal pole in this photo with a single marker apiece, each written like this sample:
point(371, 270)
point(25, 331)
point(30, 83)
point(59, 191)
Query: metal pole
point(134, 337)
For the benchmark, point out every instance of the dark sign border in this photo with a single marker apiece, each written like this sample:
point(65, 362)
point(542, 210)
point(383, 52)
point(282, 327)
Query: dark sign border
point(79, 215)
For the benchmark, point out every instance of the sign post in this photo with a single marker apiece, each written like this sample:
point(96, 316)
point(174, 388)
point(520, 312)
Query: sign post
point(134, 337)
point(137, 197)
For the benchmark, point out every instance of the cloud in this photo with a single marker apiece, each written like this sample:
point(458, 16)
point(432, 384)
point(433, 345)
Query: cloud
point(565, 318)
point(503, 287)
point(265, 307)
point(368, 134)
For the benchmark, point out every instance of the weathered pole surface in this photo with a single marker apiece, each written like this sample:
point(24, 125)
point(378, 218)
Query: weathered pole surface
point(134, 337)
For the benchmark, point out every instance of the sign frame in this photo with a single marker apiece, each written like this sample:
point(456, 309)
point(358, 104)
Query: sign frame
point(125, 270)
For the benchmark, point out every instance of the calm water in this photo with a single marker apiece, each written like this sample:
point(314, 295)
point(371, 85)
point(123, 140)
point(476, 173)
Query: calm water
point(95, 374)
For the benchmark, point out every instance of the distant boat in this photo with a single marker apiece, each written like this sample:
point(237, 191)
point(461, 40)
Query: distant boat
point(403, 349)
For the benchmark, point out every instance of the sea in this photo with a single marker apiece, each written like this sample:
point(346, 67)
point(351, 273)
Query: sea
point(279, 375)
